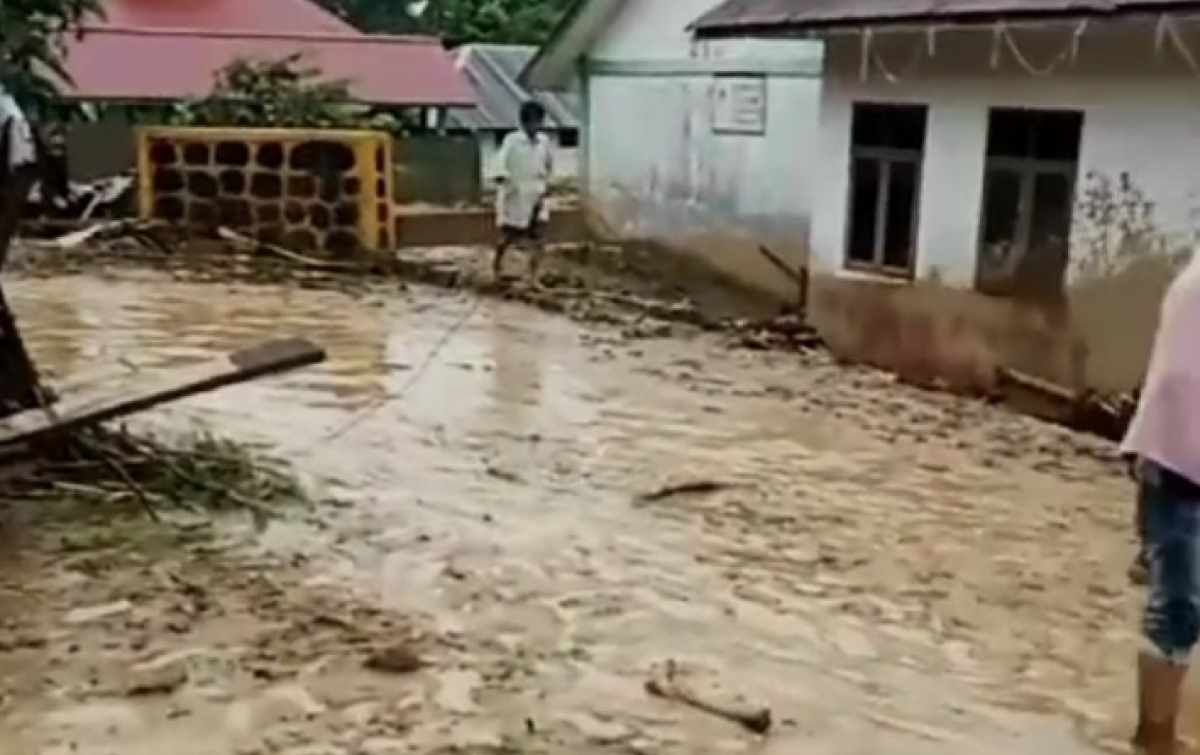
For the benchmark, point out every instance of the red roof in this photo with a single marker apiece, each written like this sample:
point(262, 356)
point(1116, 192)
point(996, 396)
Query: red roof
point(273, 16)
point(172, 50)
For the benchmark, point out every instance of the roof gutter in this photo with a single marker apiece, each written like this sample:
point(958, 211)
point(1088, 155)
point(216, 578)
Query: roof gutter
point(825, 28)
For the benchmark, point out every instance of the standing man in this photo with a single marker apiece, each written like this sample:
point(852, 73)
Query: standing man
point(1164, 436)
point(18, 170)
point(524, 167)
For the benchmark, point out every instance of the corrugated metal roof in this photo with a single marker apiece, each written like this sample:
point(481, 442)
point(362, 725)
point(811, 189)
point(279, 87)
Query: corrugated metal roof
point(741, 17)
point(177, 64)
point(494, 72)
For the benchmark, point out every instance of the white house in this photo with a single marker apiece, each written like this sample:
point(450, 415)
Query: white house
point(705, 147)
point(494, 72)
point(987, 173)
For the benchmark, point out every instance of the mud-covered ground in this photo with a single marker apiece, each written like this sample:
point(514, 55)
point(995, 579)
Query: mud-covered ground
point(888, 570)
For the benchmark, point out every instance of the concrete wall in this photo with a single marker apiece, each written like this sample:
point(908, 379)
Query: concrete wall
point(474, 226)
point(438, 169)
point(1141, 116)
point(100, 149)
point(431, 169)
point(653, 167)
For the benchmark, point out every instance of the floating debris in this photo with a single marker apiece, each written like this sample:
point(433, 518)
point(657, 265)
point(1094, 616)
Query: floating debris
point(667, 683)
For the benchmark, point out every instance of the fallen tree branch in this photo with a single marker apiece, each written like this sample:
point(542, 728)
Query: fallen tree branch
point(115, 465)
point(1083, 411)
point(197, 472)
point(693, 487)
point(667, 685)
point(251, 245)
point(796, 277)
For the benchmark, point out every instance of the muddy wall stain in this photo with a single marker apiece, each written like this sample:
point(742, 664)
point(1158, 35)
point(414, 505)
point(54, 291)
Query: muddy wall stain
point(660, 170)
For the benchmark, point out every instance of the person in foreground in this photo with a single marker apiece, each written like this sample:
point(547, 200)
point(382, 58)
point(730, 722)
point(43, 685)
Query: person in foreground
point(1164, 438)
point(523, 171)
point(18, 167)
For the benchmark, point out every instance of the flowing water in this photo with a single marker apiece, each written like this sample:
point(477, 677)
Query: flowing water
point(890, 571)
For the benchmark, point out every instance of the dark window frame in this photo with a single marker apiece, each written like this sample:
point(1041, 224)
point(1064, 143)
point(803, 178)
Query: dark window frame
point(1031, 160)
point(880, 136)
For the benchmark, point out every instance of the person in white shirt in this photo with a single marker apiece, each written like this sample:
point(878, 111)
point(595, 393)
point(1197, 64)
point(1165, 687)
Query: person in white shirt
point(523, 172)
point(18, 132)
point(18, 172)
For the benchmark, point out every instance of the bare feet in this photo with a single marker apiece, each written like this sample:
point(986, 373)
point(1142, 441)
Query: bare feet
point(1144, 743)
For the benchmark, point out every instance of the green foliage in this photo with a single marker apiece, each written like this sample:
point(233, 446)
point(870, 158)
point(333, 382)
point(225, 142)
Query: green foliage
point(33, 37)
point(527, 22)
point(458, 21)
point(375, 15)
point(282, 93)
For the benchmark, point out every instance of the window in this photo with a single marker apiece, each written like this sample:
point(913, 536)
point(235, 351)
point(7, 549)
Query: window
point(568, 138)
point(887, 147)
point(1028, 195)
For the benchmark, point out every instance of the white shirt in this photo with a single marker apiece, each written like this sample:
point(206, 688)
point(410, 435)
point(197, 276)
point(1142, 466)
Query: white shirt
point(21, 150)
point(1166, 427)
point(525, 163)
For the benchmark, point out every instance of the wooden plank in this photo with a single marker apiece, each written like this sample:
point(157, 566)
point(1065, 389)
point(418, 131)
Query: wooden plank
point(133, 394)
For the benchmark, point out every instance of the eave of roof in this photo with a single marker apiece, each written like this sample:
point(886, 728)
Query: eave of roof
point(553, 67)
point(767, 18)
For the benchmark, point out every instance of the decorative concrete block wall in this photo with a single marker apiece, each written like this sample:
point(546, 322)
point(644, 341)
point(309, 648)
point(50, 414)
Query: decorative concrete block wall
point(315, 191)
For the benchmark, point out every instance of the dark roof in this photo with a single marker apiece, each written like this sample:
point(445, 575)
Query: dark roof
point(494, 72)
point(764, 17)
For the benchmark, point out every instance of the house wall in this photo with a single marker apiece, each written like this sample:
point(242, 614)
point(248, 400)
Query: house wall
point(1141, 117)
point(654, 169)
point(100, 149)
point(437, 169)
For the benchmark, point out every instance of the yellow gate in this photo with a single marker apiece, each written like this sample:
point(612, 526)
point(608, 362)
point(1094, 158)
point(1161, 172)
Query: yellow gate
point(320, 191)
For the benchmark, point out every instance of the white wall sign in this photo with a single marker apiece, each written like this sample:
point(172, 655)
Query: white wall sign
point(739, 104)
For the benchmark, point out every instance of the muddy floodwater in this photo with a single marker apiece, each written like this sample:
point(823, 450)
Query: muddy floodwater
point(890, 571)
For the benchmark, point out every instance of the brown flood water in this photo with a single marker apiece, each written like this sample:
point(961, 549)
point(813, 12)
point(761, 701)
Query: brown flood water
point(891, 571)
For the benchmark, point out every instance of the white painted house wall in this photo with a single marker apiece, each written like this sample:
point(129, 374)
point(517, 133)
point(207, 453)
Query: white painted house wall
point(1141, 115)
point(655, 169)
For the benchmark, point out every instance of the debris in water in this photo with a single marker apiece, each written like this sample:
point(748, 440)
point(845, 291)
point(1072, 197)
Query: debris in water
point(787, 331)
point(695, 487)
point(1084, 411)
point(89, 614)
point(160, 676)
point(666, 684)
point(503, 475)
point(246, 245)
point(395, 659)
point(109, 466)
